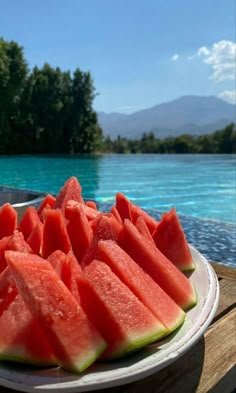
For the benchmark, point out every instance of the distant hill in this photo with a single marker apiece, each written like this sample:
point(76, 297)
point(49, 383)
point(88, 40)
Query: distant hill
point(193, 115)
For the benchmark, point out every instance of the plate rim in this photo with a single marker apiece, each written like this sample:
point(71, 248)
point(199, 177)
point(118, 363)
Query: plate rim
point(179, 348)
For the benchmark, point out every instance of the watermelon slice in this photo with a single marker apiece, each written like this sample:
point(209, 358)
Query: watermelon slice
point(16, 326)
point(3, 246)
point(116, 214)
point(8, 290)
point(8, 220)
point(89, 211)
point(171, 241)
point(107, 227)
point(28, 221)
point(75, 341)
point(123, 206)
point(125, 323)
point(68, 269)
point(18, 243)
point(79, 231)
point(55, 236)
point(35, 239)
point(47, 203)
point(128, 210)
point(71, 190)
point(143, 229)
point(92, 204)
point(142, 285)
point(164, 272)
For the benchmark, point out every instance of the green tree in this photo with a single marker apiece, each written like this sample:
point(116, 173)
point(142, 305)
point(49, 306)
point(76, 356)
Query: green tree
point(13, 71)
point(85, 132)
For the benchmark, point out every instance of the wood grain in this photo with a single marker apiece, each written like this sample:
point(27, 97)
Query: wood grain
point(224, 271)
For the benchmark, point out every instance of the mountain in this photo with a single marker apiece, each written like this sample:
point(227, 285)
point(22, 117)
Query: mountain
point(186, 115)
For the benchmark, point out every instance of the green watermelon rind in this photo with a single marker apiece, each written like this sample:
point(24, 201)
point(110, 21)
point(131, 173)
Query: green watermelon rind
point(26, 359)
point(80, 366)
point(193, 301)
point(190, 267)
point(135, 344)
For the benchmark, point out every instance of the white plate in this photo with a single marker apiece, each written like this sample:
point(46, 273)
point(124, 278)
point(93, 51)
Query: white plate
point(152, 359)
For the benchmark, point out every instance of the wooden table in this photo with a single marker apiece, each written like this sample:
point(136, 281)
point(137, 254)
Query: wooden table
point(210, 366)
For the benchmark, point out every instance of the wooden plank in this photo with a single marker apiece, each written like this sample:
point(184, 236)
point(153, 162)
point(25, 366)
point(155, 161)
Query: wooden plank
point(206, 367)
point(227, 297)
point(224, 271)
point(220, 354)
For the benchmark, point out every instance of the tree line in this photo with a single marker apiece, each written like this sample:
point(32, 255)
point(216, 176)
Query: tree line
point(220, 142)
point(46, 110)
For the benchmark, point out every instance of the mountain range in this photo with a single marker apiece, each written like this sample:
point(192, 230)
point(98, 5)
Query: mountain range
point(195, 115)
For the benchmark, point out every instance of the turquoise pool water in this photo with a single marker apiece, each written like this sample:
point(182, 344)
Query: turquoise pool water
point(197, 185)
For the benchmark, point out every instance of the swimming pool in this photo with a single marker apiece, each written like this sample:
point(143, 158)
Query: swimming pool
point(197, 185)
point(202, 188)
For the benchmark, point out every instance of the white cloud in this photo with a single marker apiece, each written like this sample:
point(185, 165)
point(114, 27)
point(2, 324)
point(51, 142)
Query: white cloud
point(228, 95)
point(175, 57)
point(222, 57)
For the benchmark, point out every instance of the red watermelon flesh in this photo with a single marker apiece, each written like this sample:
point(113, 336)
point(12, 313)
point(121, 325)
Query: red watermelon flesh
point(142, 285)
point(71, 190)
point(143, 229)
point(171, 241)
point(67, 269)
point(8, 290)
point(55, 236)
point(18, 243)
point(48, 202)
point(124, 322)
point(14, 242)
point(3, 246)
point(8, 220)
point(79, 231)
point(21, 337)
point(92, 204)
point(75, 272)
point(36, 237)
point(28, 221)
point(164, 272)
point(75, 341)
point(123, 206)
point(136, 211)
point(107, 228)
point(115, 213)
point(88, 211)
point(57, 260)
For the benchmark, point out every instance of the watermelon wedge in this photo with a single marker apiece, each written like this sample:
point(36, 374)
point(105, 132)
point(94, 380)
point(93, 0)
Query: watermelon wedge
point(75, 341)
point(8, 220)
point(171, 241)
point(79, 231)
point(3, 246)
point(17, 342)
point(107, 227)
point(35, 239)
point(142, 285)
point(71, 190)
point(67, 269)
point(8, 290)
point(55, 236)
point(163, 271)
point(129, 210)
point(28, 221)
point(47, 203)
point(125, 323)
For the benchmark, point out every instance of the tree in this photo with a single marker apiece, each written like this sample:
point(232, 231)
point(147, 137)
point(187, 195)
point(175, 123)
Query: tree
point(13, 71)
point(85, 134)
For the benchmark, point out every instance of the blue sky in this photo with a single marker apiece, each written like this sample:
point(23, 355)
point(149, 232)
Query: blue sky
point(140, 52)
